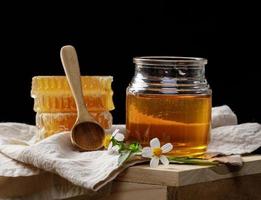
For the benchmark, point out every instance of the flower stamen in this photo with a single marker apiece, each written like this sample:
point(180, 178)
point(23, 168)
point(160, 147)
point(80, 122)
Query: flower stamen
point(157, 151)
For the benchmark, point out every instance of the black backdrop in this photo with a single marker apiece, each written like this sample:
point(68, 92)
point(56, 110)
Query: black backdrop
point(107, 37)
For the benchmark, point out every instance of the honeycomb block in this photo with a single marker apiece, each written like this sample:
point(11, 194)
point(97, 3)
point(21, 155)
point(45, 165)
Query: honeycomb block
point(51, 123)
point(53, 94)
point(66, 103)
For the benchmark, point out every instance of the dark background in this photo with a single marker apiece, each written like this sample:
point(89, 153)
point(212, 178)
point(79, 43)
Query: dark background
point(108, 35)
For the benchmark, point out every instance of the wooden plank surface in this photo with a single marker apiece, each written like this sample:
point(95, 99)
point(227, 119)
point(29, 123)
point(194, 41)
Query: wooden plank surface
point(176, 182)
point(136, 191)
point(130, 191)
point(181, 175)
point(236, 188)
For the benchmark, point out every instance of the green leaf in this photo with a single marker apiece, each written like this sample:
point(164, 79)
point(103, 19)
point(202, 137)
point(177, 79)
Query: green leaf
point(134, 147)
point(192, 161)
point(124, 157)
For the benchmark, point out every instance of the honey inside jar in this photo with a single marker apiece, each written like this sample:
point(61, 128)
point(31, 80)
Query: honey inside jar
point(183, 120)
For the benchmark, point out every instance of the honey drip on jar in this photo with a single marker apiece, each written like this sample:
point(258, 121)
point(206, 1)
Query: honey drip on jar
point(183, 120)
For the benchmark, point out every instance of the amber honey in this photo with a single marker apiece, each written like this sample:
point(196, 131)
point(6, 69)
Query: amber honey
point(183, 120)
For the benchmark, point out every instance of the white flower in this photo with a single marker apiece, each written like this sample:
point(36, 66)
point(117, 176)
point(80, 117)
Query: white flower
point(114, 149)
point(108, 144)
point(117, 135)
point(155, 152)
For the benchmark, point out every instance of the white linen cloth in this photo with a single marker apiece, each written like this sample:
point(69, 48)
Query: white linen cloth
point(239, 139)
point(223, 116)
point(89, 170)
point(69, 173)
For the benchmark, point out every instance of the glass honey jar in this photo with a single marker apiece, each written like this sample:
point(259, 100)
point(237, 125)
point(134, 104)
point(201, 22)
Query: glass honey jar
point(169, 98)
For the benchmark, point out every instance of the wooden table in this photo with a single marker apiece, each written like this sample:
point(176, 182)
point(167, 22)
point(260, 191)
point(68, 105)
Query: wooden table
point(178, 182)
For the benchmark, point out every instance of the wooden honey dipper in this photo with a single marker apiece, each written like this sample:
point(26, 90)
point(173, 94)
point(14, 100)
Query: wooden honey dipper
point(86, 134)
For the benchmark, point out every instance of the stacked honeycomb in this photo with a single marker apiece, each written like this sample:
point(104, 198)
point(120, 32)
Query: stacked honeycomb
point(55, 107)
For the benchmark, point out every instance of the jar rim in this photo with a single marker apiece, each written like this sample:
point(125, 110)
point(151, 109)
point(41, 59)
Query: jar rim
point(169, 60)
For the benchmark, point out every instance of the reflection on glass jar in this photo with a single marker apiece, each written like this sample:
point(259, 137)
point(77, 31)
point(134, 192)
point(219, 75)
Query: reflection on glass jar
point(169, 98)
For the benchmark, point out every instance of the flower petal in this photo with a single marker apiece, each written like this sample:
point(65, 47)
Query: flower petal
point(154, 162)
point(164, 160)
point(115, 132)
point(110, 146)
point(106, 141)
point(154, 143)
point(114, 150)
point(166, 148)
point(119, 137)
point(110, 151)
point(146, 152)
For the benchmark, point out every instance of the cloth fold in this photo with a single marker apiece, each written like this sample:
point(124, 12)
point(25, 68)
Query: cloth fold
point(56, 154)
point(223, 116)
point(23, 155)
point(239, 139)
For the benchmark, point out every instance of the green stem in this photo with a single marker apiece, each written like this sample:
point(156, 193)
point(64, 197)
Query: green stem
point(192, 161)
